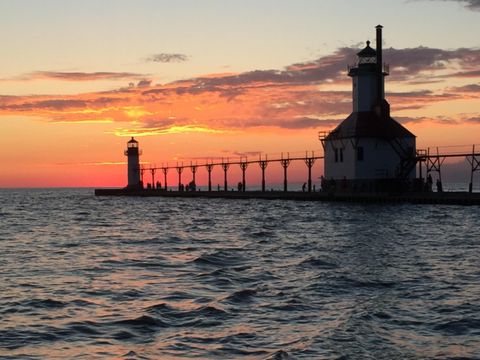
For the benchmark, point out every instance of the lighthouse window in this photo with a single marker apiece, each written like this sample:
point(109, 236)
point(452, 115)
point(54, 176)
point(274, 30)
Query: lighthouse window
point(359, 153)
point(338, 155)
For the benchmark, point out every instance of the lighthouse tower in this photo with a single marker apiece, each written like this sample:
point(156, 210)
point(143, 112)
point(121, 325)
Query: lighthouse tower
point(133, 155)
point(369, 151)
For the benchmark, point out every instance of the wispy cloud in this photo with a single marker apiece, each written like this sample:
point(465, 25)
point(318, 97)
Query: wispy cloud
point(145, 131)
point(442, 120)
point(167, 58)
point(409, 64)
point(469, 4)
point(77, 76)
point(144, 83)
point(471, 88)
point(464, 74)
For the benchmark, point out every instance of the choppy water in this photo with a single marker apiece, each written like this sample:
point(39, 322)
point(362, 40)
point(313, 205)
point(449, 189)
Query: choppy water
point(151, 278)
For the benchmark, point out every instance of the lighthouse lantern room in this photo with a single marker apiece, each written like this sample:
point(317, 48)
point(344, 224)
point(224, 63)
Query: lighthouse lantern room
point(369, 151)
point(133, 154)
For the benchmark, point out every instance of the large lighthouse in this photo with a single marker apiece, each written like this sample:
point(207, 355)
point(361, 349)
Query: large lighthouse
point(369, 151)
point(133, 154)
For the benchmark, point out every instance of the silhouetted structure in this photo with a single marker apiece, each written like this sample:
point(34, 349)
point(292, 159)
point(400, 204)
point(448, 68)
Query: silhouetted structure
point(369, 157)
point(133, 154)
point(369, 150)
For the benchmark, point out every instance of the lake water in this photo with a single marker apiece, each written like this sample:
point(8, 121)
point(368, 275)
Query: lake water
point(88, 277)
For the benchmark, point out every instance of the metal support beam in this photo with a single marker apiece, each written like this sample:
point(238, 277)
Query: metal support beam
point(225, 166)
point(475, 165)
point(194, 170)
point(434, 163)
point(285, 163)
point(243, 166)
point(421, 157)
point(263, 165)
point(165, 171)
point(209, 169)
point(179, 171)
point(142, 170)
point(309, 161)
point(152, 171)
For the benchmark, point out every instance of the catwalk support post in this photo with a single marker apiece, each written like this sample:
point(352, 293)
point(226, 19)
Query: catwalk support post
point(152, 171)
point(309, 161)
point(285, 163)
point(179, 171)
point(209, 170)
point(263, 165)
point(142, 171)
point(243, 166)
point(165, 171)
point(193, 168)
point(225, 166)
point(475, 165)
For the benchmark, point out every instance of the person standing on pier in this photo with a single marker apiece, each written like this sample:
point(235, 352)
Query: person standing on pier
point(429, 183)
point(439, 186)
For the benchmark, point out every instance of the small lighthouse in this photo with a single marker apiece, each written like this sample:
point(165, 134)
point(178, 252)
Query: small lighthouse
point(369, 151)
point(133, 154)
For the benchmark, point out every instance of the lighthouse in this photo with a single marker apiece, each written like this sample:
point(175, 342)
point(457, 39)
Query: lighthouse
point(133, 154)
point(369, 150)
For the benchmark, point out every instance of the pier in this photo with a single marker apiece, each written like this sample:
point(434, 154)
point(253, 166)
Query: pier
point(368, 157)
point(445, 198)
point(428, 160)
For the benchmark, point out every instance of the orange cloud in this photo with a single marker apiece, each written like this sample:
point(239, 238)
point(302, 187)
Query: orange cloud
point(304, 95)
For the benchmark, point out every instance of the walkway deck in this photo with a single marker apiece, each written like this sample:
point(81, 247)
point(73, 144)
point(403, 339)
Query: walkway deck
point(447, 198)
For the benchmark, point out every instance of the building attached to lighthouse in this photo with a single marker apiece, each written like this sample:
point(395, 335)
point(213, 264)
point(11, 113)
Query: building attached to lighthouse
point(369, 151)
point(133, 154)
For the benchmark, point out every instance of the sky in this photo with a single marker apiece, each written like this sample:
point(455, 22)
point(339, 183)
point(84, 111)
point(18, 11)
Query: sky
point(210, 79)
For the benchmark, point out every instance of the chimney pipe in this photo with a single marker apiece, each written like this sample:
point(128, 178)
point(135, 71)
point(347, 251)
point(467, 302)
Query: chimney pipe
point(379, 65)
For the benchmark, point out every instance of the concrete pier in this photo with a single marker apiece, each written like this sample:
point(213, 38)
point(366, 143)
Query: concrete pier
point(446, 198)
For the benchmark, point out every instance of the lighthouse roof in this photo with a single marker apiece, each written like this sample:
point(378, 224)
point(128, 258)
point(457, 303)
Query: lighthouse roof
point(132, 140)
point(367, 51)
point(368, 124)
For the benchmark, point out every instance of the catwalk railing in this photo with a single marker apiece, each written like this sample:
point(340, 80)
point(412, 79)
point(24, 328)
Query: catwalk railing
point(225, 164)
point(429, 160)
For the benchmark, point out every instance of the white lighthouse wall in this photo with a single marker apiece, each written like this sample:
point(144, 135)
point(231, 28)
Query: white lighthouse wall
point(364, 91)
point(380, 160)
point(133, 170)
point(339, 169)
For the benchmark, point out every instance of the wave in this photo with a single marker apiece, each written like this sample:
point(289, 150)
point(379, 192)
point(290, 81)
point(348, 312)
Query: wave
point(459, 327)
point(317, 263)
point(199, 317)
point(242, 296)
point(33, 305)
point(220, 258)
point(143, 322)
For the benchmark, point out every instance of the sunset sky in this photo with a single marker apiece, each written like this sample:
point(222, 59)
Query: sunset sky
point(196, 79)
